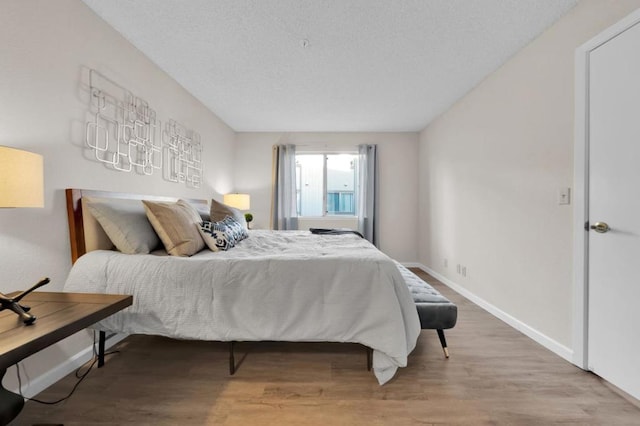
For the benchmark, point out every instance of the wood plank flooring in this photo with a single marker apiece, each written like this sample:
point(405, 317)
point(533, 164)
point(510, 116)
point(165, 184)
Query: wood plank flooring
point(495, 376)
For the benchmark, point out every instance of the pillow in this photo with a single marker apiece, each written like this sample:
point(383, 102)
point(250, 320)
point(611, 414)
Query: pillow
point(216, 236)
point(203, 211)
point(222, 235)
point(126, 225)
point(238, 231)
point(220, 211)
point(174, 224)
point(193, 212)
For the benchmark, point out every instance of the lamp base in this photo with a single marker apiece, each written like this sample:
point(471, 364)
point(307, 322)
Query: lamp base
point(13, 303)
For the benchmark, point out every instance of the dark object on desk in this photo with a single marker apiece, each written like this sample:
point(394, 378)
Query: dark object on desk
point(13, 303)
point(325, 231)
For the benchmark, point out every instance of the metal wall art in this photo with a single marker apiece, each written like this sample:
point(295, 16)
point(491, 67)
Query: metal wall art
point(125, 134)
point(183, 155)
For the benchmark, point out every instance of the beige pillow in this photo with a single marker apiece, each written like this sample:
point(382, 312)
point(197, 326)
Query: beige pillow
point(174, 224)
point(193, 212)
point(219, 211)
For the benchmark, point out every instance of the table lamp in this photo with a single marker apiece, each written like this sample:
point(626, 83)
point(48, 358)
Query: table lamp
point(240, 202)
point(21, 185)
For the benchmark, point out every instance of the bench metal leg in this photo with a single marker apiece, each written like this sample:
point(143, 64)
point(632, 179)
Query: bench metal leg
point(443, 342)
point(232, 361)
point(101, 341)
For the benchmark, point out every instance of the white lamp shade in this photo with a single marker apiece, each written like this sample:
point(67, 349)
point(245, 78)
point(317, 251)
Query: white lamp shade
point(21, 178)
point(238, 201)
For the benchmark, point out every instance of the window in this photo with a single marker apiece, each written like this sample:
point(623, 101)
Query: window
point(326, 184)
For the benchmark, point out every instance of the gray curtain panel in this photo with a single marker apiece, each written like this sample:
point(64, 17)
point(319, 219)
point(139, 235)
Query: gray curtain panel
point(283, 201)
point(367, 192)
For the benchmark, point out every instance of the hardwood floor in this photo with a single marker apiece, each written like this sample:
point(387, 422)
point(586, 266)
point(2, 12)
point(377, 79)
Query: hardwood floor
point(495, 376)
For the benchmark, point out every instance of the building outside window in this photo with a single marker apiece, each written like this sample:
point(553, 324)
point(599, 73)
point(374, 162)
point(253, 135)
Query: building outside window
point(326, 184)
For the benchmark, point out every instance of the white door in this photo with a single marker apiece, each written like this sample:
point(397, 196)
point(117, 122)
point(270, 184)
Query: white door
point(614, 199)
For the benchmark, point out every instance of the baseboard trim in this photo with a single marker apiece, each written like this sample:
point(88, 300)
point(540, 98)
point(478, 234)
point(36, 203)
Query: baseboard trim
point(549, 343)
point(40, 383)
point(411, 265)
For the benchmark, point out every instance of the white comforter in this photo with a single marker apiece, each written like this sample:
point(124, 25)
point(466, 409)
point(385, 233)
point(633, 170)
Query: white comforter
point(286, 286)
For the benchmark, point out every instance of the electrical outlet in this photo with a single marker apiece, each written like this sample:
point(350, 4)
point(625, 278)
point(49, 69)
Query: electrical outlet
point(458, 268)
point(464, 271)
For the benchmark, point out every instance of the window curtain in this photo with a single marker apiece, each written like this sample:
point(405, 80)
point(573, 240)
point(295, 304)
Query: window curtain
point(283, 201)
point(367, 192)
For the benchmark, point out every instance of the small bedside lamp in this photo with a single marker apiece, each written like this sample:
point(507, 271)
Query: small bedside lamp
point(21, 185)
point(240, 202)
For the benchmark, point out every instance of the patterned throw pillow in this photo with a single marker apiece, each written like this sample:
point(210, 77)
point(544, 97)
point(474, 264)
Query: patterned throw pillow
point(236, 228)
point(222, 235)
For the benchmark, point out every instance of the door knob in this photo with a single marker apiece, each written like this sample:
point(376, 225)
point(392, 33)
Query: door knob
point(600, 227)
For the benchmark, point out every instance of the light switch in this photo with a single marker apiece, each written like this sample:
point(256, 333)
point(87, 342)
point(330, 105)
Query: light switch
point(564, 196)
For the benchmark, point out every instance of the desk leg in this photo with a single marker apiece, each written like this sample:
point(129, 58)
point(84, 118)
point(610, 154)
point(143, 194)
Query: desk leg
point(101, 341)
point(10, 403)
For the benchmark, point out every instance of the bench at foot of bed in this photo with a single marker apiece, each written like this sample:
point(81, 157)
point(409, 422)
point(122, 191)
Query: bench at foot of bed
point(435, 311)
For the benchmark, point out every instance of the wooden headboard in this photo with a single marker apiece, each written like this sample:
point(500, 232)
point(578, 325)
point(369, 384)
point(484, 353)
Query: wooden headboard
point(85, 233)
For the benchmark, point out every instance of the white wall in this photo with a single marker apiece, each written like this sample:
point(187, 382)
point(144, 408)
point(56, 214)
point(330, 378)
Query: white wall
point(397, 153)
point(47, 48)
point(490, 170)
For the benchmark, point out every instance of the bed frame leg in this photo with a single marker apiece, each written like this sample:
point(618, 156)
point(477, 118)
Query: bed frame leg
point(369, 358)
point(101, 341)
point(443, 342)
point(232, 361)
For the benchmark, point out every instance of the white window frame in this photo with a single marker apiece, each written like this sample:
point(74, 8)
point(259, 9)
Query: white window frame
point(325, 212)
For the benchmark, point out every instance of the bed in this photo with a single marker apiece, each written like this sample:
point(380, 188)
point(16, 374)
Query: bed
point(273, 286)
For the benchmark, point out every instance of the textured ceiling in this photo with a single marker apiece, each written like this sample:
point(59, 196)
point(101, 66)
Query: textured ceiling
point(366, 65)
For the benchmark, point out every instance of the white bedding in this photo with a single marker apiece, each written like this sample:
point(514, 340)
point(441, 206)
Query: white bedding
point(284, 285)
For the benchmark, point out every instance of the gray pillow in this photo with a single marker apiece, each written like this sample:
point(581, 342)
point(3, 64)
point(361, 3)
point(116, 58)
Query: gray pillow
point(126, 225)
point(219, 211)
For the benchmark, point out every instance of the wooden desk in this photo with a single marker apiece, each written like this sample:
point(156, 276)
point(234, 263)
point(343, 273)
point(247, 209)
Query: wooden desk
point(59, 315)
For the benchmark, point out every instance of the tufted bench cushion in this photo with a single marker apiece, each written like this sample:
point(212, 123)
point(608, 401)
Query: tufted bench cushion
point(434, 310)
